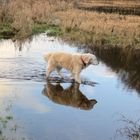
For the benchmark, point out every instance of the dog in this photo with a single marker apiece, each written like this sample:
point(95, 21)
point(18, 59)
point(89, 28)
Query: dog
point(70, 96)
point(74, 63)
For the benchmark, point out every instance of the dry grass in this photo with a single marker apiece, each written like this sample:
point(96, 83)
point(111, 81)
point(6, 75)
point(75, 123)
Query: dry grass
point(118, 3)
point(111, 28)
point(22, 15)
point(77, 25)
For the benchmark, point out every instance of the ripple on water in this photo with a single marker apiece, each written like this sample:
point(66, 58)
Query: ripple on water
point(21, 69)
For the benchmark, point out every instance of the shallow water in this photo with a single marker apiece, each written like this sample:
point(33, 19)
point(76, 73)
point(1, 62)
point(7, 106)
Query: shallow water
point(35, 109)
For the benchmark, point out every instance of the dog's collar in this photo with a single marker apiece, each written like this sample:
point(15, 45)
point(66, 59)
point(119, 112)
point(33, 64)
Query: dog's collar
point(83, 61)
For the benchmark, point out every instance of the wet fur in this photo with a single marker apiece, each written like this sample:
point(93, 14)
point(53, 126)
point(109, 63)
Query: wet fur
point(74, 63)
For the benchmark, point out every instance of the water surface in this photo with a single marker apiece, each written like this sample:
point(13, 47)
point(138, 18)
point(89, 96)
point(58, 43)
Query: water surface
point(39, 110)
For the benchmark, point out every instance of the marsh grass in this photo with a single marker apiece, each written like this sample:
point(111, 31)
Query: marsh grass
point(5, 32)
point(112, 3)
point(63, 18)
point(27, 17)
point(100, 28)
point(39, 28)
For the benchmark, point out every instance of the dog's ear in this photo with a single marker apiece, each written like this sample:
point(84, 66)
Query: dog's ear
point(86, 58)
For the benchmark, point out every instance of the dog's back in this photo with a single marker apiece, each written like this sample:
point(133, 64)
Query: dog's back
point(57, 56)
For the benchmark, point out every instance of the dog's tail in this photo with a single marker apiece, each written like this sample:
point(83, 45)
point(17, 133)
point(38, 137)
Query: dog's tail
point(47, 56)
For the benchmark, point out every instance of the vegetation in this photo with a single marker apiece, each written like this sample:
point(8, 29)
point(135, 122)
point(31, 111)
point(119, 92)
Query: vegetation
point(52, 30)
point(125, 7)
point(131, 130)
point(68, 19)
point(9, 128)
point(100, 28)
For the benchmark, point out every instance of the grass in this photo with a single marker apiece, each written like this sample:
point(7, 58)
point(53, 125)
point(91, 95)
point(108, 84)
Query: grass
point(54, 31)
point(65, 19)
point(100, 28)
point(118, 3)
point(39, 28)
point(6, 32)
point(51, 30)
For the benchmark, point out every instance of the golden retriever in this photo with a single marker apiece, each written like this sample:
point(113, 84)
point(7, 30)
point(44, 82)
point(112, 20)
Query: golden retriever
point(70, 96)
point(74, 63)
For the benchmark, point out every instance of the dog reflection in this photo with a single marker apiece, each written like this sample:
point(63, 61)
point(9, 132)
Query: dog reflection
point(71, 96)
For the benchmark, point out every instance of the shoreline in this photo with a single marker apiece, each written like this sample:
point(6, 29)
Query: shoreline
point(75, 36)
point(84, 27)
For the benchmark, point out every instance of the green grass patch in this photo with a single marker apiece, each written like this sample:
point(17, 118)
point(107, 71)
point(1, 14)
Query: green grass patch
point(39, 28)
point(51, 30)
point(6, 32)
point(54, 31)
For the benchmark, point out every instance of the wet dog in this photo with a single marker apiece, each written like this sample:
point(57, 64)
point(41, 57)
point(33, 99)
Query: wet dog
point(74, 63)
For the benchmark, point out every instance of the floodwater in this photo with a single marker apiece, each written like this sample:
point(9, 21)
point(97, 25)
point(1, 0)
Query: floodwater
point(34, 109)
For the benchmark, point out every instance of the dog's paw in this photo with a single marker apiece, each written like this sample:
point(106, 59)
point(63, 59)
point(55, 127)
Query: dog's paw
point(71, 78)
point(78, 81)
point(46, 77)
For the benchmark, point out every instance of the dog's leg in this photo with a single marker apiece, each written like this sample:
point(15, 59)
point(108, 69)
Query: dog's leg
point(49, 69)
point(72, 76)
point(77, 75)
point(58, 69)
point(77, 78)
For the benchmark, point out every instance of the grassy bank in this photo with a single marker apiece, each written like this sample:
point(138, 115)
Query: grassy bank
point(52, 30)
point(100, 28)
point(6, 32)
point(65, 19)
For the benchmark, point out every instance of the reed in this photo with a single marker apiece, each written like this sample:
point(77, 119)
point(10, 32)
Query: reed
point(100, 28)
point(22, 19)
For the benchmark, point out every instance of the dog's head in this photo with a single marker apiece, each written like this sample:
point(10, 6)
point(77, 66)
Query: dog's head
point(90, 59)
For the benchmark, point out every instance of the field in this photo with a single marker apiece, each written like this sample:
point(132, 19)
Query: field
point(87, 22)
point(121, 7)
